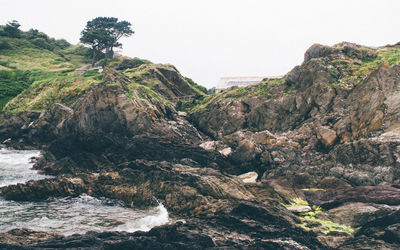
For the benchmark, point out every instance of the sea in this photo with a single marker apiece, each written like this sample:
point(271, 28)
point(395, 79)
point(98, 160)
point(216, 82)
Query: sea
point(67, 215)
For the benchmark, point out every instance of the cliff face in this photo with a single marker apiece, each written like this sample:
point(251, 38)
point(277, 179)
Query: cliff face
point(327, 132)
point(337, 109)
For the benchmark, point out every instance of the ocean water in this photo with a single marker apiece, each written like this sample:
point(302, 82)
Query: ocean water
point(15, 166)
point(67, 215)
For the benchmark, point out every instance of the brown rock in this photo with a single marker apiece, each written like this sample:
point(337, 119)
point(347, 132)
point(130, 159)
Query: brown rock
point(327, 136)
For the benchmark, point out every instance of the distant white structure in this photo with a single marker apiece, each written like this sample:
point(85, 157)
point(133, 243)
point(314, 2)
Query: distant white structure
point(241, 81)
point(85, 68)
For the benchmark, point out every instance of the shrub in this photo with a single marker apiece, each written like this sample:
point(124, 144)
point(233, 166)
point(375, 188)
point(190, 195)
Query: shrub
point(12, 29)
point(132, 63)
point(90, 73)
point(42, 43)
point(4, 45)
point(195, 85)
point(12, 83)
point(62, 43)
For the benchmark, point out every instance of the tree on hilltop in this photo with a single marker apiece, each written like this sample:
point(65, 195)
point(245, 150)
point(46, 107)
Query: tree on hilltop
point(12, 29)
point(103, 33)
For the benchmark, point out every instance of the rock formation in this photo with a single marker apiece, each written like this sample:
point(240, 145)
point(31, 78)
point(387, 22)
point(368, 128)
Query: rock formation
point(326, 134)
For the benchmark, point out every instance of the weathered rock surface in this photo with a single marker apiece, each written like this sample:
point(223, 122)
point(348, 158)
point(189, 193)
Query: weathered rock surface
point(243, 226)
point(315, 134)
point(367, 194)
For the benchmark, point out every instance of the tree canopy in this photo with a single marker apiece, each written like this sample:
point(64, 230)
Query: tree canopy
point(12, 29)
point(102, 34)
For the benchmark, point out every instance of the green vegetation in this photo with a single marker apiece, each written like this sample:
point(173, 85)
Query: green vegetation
point(12, 83)
point(148, 94)
point(311, 222)
point(296, 202)
point(261, 89)
point(103, 33)
point(37, 71)
point(197, 86)
point(130, 63)
point(352, 71)
point(148, 74)
point(48, 88)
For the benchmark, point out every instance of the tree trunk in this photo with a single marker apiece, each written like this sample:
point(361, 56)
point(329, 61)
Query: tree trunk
point(94, 57)
point(112, 52)
point(109, 53)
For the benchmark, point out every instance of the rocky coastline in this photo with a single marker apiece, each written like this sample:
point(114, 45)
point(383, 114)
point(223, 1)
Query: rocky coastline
point(324, 156)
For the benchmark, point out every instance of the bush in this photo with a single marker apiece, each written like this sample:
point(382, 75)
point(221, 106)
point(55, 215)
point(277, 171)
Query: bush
point(62, 43)
point(12, 83)
point(195, 85)
point(90, 73)
point(4, 45)
point(42, 43)
point(12, 29)
point(104, 62)
point(132, 63)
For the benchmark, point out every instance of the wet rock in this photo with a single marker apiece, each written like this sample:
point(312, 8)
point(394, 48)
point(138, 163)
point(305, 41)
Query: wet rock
point(19, 237)
point(244, 225)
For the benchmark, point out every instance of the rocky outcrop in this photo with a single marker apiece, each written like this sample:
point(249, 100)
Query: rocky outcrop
point(243, 226)
point(318, 134)
point(164, 80)
point(319, 119)
point(367, 194)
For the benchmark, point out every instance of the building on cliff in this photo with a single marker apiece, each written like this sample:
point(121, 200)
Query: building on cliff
point(240, 81)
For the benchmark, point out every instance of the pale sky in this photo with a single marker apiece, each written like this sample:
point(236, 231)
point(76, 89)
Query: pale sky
point(209, 39)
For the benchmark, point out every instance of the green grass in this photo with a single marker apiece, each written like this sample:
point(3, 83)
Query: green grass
point(34, 77)
point(145, 77)
point(308, 219)
point(296, 202)
point(49, 88)
point(329, 225)
point(146, 93)
point(354, 71)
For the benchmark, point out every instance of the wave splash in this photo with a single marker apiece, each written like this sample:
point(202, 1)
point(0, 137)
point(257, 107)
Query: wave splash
point(66, 215)
point(79, 215)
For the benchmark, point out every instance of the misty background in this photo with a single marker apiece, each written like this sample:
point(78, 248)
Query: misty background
point(207, 39)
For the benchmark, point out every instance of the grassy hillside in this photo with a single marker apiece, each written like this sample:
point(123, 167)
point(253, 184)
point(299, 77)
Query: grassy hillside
point(38, 66)
point(37, 71)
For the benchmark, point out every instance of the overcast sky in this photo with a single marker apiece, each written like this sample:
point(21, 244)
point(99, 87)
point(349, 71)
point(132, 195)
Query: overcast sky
point(209, 39)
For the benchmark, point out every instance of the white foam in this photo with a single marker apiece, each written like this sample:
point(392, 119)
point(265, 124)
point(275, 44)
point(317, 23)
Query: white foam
point(16, 167)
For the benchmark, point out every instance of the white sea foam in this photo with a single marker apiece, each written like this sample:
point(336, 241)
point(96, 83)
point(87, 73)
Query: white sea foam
point(67, 215)
point(15, 166)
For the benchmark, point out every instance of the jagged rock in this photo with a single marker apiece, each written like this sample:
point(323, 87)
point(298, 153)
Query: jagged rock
point(18, 237)
point(357, 214)
point(317, 50)
point(242, 226)
point(226, 151)
point(299, 209)
point(306, 130)
point(377, 234)
point(366, 194)
point(327, 136)
point(249, 177)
